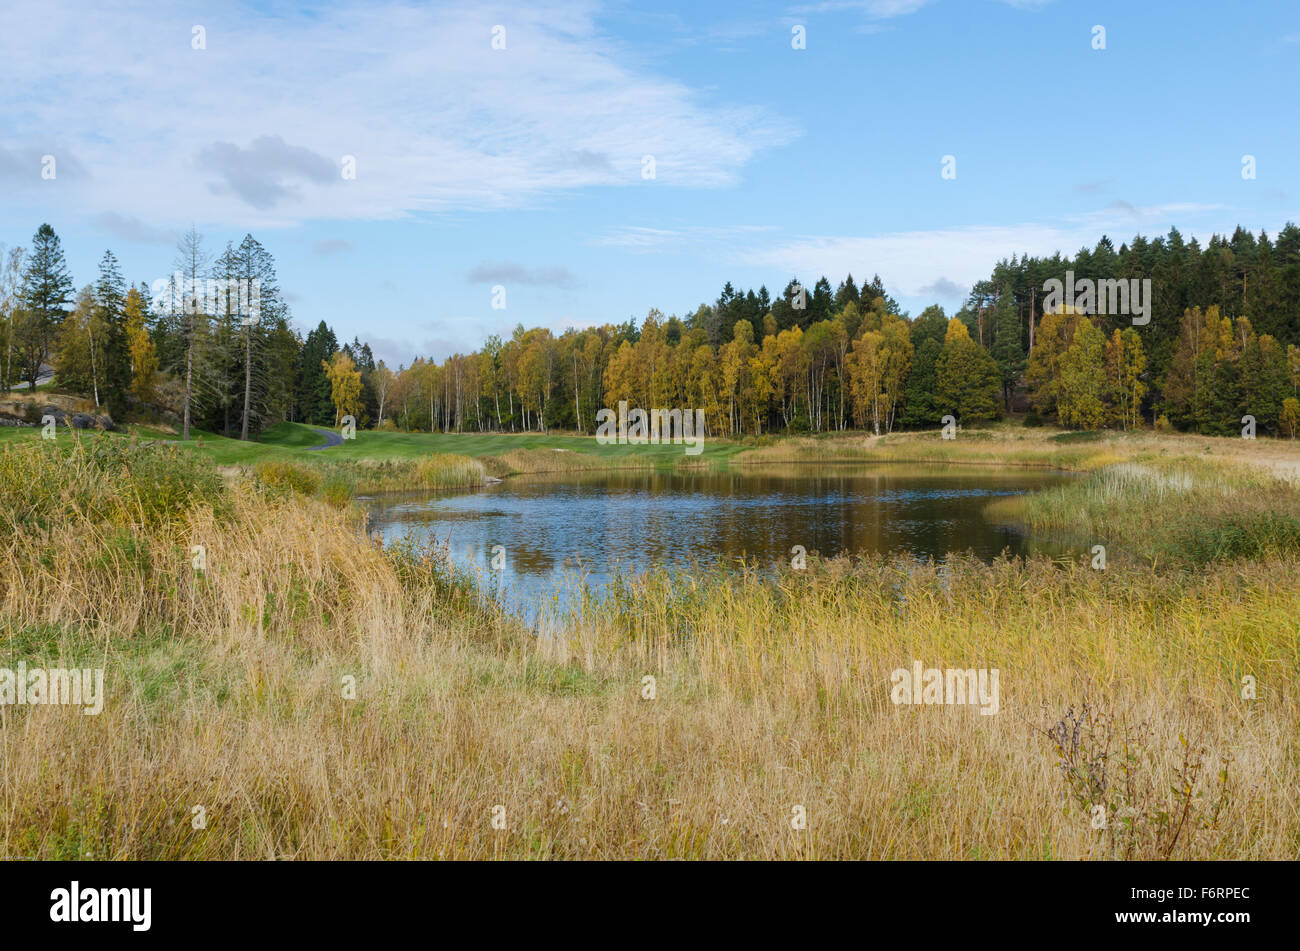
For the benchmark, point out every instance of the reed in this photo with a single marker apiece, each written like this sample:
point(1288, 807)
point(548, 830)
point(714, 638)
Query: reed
point(227, 695)
point(337, 482)
point(1184, 511)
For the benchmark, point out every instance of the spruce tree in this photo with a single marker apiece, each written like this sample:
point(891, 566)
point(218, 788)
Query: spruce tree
point(110, 301)
point(47, 290)
point(1007, 351)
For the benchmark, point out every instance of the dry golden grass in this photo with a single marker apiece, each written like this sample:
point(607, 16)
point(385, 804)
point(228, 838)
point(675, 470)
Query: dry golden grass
point(1011, 444)
point(550, 459)
point(225, 691)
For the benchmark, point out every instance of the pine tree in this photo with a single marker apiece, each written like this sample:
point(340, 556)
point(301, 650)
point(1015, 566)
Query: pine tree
point(261, 311)
point(846, 293)
point(1007, 351)
point(820, 303)
point(110, 300)
point(47, 290)
point(315, 405)
point(921, 397)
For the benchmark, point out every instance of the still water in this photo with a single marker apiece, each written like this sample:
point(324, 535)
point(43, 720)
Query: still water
point(555, 529)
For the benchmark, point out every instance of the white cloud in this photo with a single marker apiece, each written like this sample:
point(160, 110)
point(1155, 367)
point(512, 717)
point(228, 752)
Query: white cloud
point(919, 263)
point(684, 240)
point(252, 130)
point(877, 9)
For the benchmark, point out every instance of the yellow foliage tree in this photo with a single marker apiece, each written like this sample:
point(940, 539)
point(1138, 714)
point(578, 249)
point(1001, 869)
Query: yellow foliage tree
point(956, 331)
point(1081, 401)
point(144, 358)
point(1043, 372)
point(1125, 364)
point(345, 385)
point(1290, 421)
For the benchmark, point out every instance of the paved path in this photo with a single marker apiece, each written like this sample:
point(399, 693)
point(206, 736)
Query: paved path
point(331, 439)
point(43, 377)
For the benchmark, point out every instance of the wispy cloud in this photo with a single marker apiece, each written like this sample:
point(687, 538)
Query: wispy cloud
point(943, 289)
point(1093, 188)
point(329, 246)
point(26, 166)
point(511, 272)
point(253, 129)
point(683, 240)
point(263, 173)
point(877, 9)
point(132, 229)
point(932, 263)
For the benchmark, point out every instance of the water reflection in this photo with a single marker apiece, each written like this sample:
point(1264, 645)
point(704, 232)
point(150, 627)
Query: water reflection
point(607, 522)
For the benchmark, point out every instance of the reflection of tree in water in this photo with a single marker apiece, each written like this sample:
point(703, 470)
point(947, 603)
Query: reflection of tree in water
point(586, 528)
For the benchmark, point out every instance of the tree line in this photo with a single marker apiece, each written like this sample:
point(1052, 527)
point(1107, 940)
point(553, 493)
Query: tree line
point(190, 346)
point(1222, 342)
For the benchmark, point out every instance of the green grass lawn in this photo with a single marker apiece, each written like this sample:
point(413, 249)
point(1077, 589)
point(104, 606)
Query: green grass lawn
point(290, 441)
point(294, 437)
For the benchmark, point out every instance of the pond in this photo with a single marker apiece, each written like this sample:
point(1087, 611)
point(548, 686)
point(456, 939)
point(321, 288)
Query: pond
point(553, 529)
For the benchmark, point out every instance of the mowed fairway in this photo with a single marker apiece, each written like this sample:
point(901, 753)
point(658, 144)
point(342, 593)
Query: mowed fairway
point(291, 441)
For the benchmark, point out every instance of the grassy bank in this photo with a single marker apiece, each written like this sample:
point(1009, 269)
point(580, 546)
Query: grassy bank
point(1184, 511)
point(292, 454)
point(381, 461)
point(226, 693)
point(1014, 445)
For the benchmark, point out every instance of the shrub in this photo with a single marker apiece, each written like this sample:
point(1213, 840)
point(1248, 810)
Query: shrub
point(337, 488)
point(1144, 803)
point(102, 479)
point(288, 476)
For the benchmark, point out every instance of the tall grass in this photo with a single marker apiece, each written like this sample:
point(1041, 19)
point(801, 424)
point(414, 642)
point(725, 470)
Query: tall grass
point(552, 459)
point(1185, 511)
point(42, 485)
point(226, 691)
point(338, 481)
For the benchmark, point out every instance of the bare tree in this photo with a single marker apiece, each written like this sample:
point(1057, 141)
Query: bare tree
point(383, 382)
point(192, 262)
point(11, 275)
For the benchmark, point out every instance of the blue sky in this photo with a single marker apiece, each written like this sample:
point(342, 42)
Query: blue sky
point(523, 166)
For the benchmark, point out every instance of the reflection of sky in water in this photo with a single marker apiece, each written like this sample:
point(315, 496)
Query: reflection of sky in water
point(632, 521)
